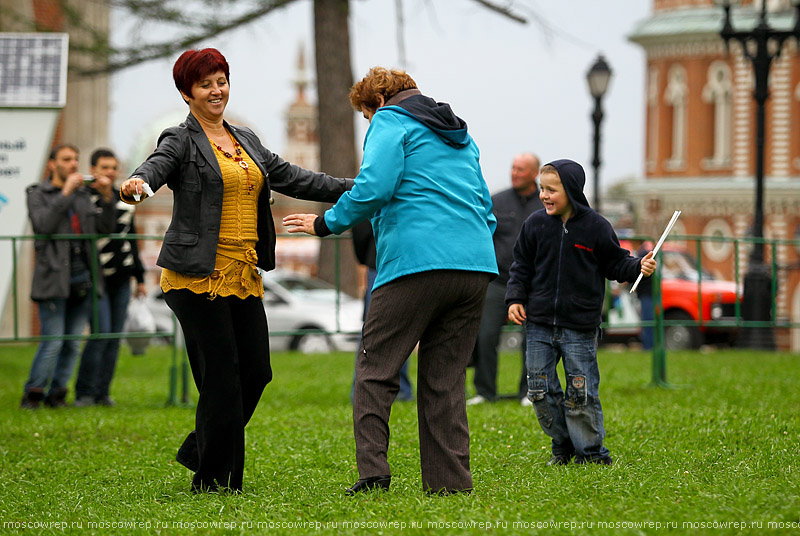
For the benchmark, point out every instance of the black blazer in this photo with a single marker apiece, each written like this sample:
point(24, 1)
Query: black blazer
point(184, 160)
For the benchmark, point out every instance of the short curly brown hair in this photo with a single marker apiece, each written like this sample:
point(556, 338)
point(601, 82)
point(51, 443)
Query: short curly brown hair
point(379, 81)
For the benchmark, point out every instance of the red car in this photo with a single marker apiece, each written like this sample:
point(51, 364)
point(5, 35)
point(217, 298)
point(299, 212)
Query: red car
point(681, 298)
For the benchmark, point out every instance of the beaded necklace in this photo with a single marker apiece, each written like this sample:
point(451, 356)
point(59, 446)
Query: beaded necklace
point(238, 159)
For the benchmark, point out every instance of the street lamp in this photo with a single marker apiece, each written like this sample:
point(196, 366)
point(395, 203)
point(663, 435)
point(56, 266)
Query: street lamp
point(760, 45)
point(598, 77)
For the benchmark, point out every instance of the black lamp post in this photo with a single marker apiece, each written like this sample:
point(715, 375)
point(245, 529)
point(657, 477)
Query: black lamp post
point(760, 45)
point(598, 77)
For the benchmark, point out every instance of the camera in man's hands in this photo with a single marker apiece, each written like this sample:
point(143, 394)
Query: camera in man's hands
point(88, 179)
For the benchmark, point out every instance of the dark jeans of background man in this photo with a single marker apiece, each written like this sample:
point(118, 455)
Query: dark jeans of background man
point(495, 317)
point(54, 360)
point(99, 358)
point(646, 303)
point(406, 393)
point(228, 348)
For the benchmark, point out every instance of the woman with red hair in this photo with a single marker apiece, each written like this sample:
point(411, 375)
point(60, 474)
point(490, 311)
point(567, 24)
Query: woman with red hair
point(422, 188)
point(220, 236)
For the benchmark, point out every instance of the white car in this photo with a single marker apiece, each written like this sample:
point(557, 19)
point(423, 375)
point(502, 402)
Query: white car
point(301, 314)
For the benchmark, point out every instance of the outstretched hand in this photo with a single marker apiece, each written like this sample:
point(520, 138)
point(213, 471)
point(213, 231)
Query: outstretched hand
point(132, 187)
point(300, 223)
point(648, 265)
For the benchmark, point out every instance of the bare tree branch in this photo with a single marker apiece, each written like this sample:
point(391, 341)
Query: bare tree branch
point(149, 9)
point(505, 11)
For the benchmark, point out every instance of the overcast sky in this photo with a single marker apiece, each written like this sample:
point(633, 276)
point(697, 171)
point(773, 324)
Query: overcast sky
point(518, 87)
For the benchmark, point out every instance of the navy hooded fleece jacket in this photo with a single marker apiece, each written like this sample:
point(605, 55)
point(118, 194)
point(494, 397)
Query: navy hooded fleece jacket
point(560, 269)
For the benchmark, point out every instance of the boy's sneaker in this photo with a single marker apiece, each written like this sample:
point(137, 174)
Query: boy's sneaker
point(32, 399)
point(57, 398)
point(599, 460)
point(559, 459)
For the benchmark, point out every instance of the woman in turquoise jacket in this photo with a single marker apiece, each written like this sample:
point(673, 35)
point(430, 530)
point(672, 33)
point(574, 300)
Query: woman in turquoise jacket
point(421, 186)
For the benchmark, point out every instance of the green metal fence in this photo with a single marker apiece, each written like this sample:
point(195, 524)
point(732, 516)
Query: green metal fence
point(660, 323)
point(179, 367)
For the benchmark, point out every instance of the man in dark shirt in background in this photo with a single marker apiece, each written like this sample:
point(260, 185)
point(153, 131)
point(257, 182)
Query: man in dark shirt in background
point(511, 207)
point(120, 262)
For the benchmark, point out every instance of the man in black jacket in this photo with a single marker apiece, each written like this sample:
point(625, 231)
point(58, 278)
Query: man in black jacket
point(511, 208)
point(62, 276)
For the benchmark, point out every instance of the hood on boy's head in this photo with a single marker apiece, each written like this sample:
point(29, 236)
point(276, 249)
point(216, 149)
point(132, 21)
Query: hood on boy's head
point(573, 178)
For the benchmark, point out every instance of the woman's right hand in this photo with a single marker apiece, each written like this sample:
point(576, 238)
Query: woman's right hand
point(300, 223)
point(131, 187)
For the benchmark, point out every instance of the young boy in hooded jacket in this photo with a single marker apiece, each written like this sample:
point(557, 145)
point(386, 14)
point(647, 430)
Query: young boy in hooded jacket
point(563, 255)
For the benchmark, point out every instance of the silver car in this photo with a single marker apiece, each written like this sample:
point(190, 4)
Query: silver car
point(301, 314)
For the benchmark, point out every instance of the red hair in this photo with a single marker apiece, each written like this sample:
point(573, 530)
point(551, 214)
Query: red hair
point(379, 81)
point(193, 65)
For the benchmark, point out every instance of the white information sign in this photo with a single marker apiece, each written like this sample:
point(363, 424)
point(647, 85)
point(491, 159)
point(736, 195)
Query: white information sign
point(33, 82)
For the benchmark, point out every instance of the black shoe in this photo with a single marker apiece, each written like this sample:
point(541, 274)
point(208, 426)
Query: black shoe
point(599, 460)
point(366, 484)
point(83, 401)
point(559, 459)
point(32, 399)
point(187, 455)
point(57, 399)
point(444, 492)
point(105, 401)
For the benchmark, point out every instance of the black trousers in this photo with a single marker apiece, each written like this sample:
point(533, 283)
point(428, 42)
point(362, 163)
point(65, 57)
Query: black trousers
point(484, 358)
point(440, 309)
point(228, 346)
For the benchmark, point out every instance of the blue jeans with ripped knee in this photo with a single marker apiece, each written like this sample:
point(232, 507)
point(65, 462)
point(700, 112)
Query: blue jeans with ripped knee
point(573, 421)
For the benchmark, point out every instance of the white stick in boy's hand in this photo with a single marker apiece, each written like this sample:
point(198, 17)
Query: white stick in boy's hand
point(652, 254)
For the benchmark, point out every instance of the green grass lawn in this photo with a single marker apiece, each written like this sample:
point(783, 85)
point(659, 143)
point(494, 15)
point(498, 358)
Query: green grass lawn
point(724, 448)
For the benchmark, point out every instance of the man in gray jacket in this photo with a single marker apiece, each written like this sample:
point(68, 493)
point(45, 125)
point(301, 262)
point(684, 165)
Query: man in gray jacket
point(511, 207)
point(62, 276)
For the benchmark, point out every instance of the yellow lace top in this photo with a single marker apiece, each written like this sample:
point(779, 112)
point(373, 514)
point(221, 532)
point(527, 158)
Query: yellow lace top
point(235, 272)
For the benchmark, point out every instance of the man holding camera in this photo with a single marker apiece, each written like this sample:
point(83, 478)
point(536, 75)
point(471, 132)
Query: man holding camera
point(62, 275)
point(121, 262)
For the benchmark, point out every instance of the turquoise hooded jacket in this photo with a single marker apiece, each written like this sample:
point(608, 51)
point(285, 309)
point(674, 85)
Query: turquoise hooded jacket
point(422, 189)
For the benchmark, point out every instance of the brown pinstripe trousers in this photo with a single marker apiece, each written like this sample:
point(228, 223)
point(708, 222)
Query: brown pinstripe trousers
point(440, 309)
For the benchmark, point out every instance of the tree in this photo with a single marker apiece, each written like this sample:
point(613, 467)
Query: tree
point(336, 130)
point(198, 20)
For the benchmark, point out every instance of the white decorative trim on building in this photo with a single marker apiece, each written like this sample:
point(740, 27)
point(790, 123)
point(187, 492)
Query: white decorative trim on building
point(652, 113)
point(718, 92)
point(676, 96)
point(780, 133)
point(797, 97)
point(717, 251)
point(699, 46)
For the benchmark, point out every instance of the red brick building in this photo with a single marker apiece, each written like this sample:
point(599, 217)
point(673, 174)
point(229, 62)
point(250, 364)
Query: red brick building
point(700, 138)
